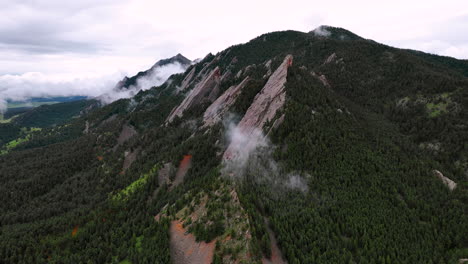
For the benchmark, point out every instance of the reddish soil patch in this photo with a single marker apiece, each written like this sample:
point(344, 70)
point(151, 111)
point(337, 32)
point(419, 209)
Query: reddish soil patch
point(184, 166)
point(75, 231)
point(276, 256)
point(100, 158)
point(184, 248)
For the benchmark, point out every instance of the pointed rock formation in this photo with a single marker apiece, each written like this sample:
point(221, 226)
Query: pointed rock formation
point(450, 184)
point(263, 109)
point(206, 89)
point(187, 80)
point(330, 58)
point(218, 108)
point(321, 78)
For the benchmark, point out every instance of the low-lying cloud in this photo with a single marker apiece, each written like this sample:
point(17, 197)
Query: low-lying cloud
point(250, 158)
point(35, 84)
point(321, 31)
point(157, 76)
point(242, 145)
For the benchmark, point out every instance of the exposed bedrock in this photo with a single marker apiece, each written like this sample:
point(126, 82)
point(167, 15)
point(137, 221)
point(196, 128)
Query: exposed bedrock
point(264, 107)
point(206, 89)
point(215, 112)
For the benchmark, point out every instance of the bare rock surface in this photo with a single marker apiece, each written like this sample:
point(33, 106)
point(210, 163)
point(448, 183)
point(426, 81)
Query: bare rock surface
point(226, 75)
point(330, 58)
point(127, 132)
point(277, 123)
point(450, 184)
point(239, 74)
point(184, 166)
point(203, 90)
point(322, 79)
point(187, 80)
point(276, 255)
point(263, 109)
point(215, 112)
point(86, 130)
point(185, 249)
point(268, 66)
point(165, 173)
point(130, 157)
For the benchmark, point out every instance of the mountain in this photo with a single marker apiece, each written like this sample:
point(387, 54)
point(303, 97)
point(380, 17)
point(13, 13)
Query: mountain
point(44, 112)
point(317, 147)
point(18, 107)
point(154, 76)
point(132, 81)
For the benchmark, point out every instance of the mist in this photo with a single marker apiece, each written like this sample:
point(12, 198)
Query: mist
point(321, 31)
point(156, 77)
point(250, 157)
point(25, 86)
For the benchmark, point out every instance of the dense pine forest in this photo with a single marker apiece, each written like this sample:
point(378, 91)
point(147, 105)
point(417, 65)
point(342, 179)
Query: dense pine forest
point(352, 168)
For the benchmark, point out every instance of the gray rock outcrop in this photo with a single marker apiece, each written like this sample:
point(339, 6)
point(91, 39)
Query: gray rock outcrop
point(215, 112)
point(450, 184)
point(264, 107)
point(206, 89)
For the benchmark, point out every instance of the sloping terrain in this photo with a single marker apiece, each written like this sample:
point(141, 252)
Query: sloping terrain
point(319, 147)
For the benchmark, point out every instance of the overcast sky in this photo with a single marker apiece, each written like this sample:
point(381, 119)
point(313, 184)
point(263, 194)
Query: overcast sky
point(90, 44)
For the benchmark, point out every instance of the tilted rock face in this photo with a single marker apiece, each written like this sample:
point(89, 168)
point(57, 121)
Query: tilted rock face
point(321, 78)
point(269, 100)
point(450, 184)
point(330, 58)
point(268, 66)
point(187, 80)
point(226, 75)
point(218, 108)
point(127, 133)
point(205, 89)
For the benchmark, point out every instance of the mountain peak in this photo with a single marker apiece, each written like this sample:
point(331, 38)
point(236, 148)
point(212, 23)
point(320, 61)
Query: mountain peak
point(336, 33)
point(177, 58)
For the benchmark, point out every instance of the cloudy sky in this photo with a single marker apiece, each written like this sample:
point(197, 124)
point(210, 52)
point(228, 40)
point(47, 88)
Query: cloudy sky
point(64, 47)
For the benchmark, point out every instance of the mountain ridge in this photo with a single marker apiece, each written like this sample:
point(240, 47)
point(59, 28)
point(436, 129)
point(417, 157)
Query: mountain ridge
point(341, 170)
point(129, 81)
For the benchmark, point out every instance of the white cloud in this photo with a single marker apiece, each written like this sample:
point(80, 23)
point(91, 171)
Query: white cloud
point(251, 155)
point(95, 39)
point(36, 84)
point(156, 76)
point(321, 31)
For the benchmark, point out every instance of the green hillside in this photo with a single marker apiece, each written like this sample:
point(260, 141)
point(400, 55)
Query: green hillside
point(347, 170)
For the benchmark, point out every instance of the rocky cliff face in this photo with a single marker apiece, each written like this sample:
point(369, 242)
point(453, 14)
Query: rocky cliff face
point(187, 80)
point(206, 89)
point(220, 106)
point(264, 107)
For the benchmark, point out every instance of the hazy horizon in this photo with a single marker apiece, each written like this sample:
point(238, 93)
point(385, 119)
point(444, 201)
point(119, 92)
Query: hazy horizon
point(48, 47)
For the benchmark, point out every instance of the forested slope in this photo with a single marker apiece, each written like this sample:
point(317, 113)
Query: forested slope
point(343, 172)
